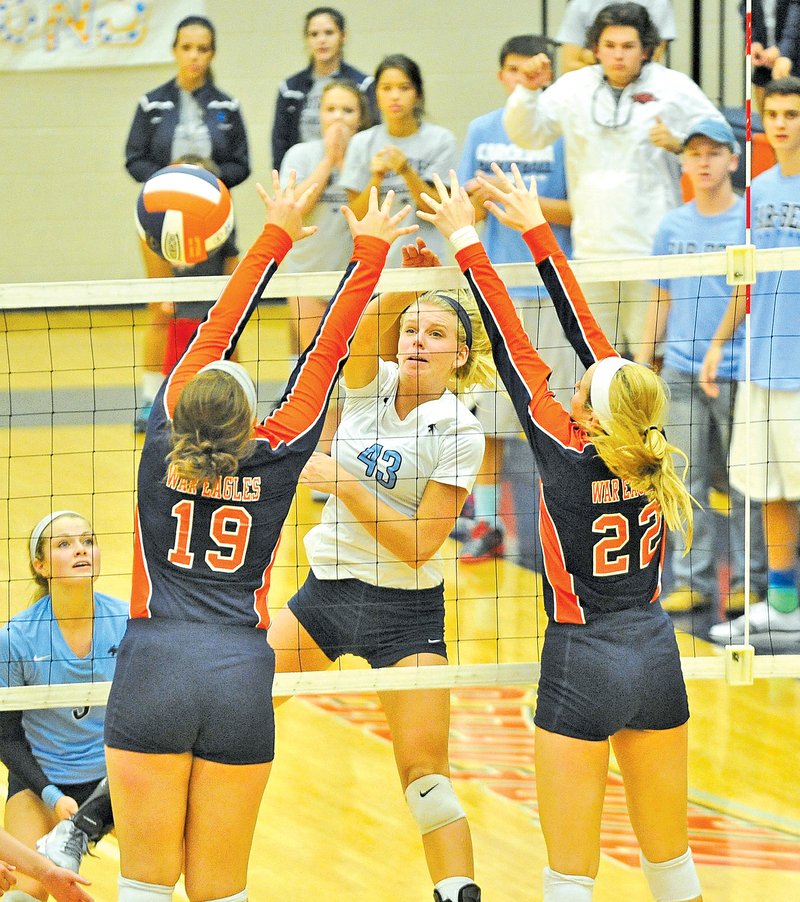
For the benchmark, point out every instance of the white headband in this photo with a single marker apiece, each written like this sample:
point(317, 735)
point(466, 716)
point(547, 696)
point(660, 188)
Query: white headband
point(240, 374)
point(601, 382)
point(42, 525)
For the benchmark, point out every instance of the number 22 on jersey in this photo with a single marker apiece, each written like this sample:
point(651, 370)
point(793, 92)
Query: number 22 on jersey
point(611, 555)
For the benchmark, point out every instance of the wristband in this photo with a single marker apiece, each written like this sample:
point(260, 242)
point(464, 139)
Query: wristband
point(50, 795)
point(464, 237)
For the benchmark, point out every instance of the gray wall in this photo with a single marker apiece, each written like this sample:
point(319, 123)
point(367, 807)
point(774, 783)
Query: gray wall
point(67, 201)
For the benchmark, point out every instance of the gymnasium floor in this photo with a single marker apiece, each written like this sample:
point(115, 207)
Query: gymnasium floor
point(333, 822)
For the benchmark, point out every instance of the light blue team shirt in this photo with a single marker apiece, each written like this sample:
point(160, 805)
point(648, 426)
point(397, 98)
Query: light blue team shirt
point(487, 142)
point(698, 303)
point(67, 742)
point(775, 307)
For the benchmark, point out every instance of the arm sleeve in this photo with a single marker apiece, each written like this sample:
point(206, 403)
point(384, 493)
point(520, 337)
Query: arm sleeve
point(531, 117)
point(216, 337)
point(16, 754)
point(138, 161)
point(580, 327)
point(522, 370)
point(306, 398)
point(236, 169)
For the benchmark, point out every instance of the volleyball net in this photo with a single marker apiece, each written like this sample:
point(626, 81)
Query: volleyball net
point(69, 368)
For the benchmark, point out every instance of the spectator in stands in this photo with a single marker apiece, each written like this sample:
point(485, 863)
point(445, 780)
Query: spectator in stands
point(297, 106)
point(402, 152)
point(624, 121)
point(775, 47)
point(186, 115)
point(773, 434)
point(684, 314)
point(578, 18)
point(487, 143)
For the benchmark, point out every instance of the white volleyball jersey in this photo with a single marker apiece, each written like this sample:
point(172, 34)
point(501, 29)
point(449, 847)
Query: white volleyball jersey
point(439, 440)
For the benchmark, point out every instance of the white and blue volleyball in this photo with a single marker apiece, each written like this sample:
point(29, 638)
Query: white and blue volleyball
point(184, 213)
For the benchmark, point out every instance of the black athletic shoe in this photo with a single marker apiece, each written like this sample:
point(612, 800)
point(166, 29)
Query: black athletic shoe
point(470, 893)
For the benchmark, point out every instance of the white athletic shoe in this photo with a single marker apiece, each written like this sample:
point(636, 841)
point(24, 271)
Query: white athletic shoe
point(65, 845)
point(763, 620)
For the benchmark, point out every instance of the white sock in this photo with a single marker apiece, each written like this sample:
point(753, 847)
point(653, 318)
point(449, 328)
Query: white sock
point(566, 887)
point(449, 887)
point(136, 891)
point(239, 897)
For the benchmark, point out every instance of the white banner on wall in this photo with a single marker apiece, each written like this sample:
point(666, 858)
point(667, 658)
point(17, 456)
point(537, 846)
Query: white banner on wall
point(75, 34)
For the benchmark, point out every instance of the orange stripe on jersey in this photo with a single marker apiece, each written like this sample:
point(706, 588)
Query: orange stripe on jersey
point(261, 593)
point(141, 586)
point(217, 336)
point(657, 593)
point(306, 400)
point(566, 604)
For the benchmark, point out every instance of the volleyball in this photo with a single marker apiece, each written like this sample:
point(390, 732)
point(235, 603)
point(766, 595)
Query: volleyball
point(183, 213)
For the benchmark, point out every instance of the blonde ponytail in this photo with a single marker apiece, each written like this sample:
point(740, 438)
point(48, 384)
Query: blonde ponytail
point(633, 446)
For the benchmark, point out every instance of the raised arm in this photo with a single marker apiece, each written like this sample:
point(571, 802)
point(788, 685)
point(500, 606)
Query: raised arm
point(217, 336)
point(517, 206)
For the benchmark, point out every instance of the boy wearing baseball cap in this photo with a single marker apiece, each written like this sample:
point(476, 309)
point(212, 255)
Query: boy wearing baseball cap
point(684, 314)
point(771, 438)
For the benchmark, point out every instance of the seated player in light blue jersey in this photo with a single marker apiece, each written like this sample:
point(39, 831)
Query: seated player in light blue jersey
point(70, 634)
point(487, 142)
point(684, 314)
point(773, 433)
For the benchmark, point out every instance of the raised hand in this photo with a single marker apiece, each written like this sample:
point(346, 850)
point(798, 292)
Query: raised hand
point(661, 136)
point(379, 221)
point(454, 211)
point(520, 208)
point(537, 72)
point(284, 208)
point(419, 255)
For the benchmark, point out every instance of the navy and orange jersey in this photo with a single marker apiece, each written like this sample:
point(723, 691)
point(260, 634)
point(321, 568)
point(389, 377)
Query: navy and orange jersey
point(603, 543)
point(205, 552)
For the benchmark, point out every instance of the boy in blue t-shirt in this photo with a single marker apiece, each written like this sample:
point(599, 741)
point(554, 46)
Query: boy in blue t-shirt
point(487, 142)
point(772, 435)
point(684, 315)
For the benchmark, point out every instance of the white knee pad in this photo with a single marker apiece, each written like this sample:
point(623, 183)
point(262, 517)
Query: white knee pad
point(136, 891)
point(566, 887)
point(16, 895)
point(672, 881)
point(239, 897)
point(433, 802)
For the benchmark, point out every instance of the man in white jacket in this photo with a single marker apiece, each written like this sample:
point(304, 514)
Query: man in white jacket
point(624, 122)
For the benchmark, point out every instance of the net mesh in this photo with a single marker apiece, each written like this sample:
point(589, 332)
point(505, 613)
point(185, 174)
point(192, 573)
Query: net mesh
point(69, 366)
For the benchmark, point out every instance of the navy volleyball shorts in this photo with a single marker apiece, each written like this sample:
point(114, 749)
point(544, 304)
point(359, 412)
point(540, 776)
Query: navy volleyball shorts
point(78, 791)
point(383, 625)
point(621, 670)
point(204, 688)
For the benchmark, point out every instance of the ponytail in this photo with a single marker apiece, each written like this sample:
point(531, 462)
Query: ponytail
point(634, 447)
